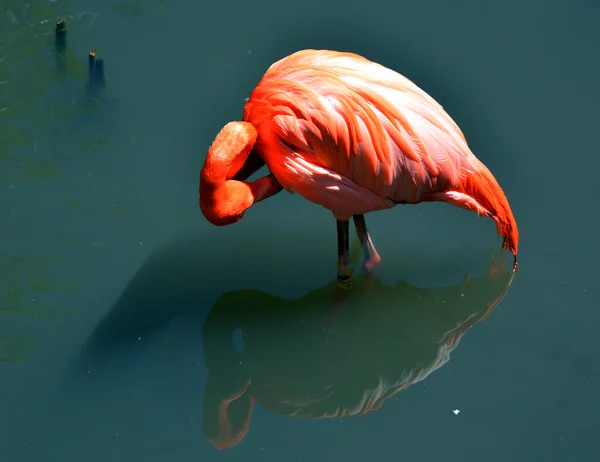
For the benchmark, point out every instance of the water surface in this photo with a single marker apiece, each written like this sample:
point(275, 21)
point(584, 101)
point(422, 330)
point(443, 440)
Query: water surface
point(128, 323)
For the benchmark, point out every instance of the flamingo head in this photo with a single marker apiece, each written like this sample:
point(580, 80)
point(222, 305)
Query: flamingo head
point(231, 159)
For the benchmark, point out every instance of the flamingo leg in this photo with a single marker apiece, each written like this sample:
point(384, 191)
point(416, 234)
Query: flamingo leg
point(344, 268)
point(372, 258)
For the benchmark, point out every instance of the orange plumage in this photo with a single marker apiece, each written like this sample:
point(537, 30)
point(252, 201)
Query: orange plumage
point(354, 136)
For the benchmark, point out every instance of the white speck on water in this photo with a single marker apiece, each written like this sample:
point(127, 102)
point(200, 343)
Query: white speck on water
point(249, 52)
point(456, 411)
point(246, 98)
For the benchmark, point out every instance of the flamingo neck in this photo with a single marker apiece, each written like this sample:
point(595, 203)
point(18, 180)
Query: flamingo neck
point(228, 153)
point(223, 199)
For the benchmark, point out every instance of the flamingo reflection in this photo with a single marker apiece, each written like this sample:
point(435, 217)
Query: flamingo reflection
point(301, 359)
point(327, 354)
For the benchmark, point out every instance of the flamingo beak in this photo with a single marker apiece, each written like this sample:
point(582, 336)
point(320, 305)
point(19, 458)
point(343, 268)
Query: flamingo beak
point(263, 187)
point(242, 171)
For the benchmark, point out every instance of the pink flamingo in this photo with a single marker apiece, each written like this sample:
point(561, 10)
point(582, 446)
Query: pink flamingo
point(352, 136)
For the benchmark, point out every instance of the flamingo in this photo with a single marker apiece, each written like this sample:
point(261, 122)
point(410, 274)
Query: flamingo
point(354, 137)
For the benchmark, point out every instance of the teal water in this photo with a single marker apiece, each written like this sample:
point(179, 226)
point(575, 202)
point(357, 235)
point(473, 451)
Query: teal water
point(128, 323)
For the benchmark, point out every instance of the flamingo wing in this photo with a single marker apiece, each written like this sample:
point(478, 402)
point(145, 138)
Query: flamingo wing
point(338, 116)
point(354, 136)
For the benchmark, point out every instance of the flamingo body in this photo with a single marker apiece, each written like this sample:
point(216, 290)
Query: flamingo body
point(354, 137)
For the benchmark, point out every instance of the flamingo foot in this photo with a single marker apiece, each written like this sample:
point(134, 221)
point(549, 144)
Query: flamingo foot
point(371, 262)
point(372, 258)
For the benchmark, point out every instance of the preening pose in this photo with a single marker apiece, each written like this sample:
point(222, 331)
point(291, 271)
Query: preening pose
point(352, 136)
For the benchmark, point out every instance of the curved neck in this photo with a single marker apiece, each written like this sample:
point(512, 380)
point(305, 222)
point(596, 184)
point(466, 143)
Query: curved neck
point(224, 196)
point(227, 154)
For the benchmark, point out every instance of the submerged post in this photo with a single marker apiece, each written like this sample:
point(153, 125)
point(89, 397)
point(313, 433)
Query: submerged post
point(95, 84)
point(60, 45)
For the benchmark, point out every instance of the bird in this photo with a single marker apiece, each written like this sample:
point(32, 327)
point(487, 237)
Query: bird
point(354, 137)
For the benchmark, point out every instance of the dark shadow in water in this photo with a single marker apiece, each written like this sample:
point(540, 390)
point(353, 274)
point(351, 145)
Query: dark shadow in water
point(172, 283)
point(329, 353)
point(332, 357)
point(180, 279)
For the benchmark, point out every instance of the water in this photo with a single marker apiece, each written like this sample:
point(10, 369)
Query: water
point(129, 323)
